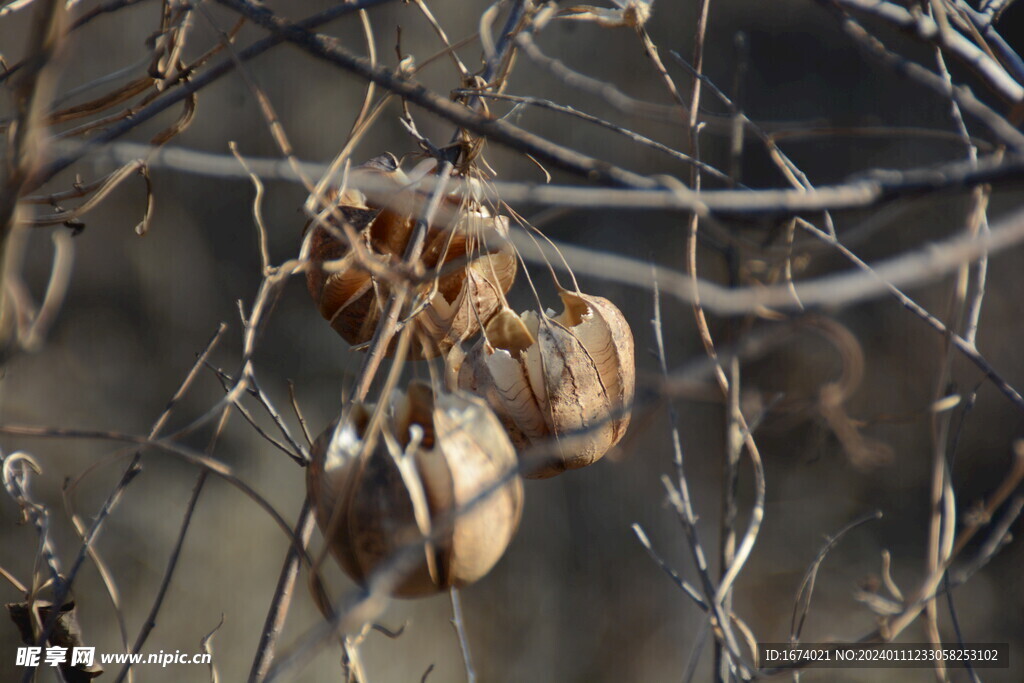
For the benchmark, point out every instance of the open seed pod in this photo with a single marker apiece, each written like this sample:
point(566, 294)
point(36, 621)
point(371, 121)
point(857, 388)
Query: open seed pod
point(460, 301)
point(434, 455)
point(467, 248)
point(568, 378)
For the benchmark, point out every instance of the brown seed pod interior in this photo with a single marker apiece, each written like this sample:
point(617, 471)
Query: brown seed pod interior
point(467, 250)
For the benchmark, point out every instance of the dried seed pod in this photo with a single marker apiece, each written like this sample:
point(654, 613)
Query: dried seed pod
point(471, 295)
point(569, 376)
point(340, 279)
point(435, 454)
point(469, 250)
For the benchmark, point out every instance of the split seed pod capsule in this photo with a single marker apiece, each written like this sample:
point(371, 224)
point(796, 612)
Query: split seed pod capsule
point(467, 246)
point(569, 378)
point(470, 295)
point(434, 455)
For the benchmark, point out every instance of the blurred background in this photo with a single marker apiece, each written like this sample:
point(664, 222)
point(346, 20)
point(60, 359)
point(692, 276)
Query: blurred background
point(576, 597)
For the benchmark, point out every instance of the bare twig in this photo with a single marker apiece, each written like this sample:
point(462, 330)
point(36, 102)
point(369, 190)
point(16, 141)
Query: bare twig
point(32, 93)
point(634, 136)
point(925, 28)
point(870, 189)
point(460, 629)
point(688, 589)
point(494, 129)
point(177, 450)
point(995, 122)
point(172, 563)
point(257, 208)
point(802, 605)
point(281, 600)
point(190, 87)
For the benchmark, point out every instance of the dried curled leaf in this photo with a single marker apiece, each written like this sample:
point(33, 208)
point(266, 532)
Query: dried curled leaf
point(436, 454)
point(570, 377)
point(66, 633)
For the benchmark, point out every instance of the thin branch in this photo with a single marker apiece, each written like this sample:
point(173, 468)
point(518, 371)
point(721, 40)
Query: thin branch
point(280, 602)
point(257, 207)
point(870, 189)
point(998, 538)
point(188, 88)
point(179, 451)
point(925, 28)
point(689, 590)
point(328, 49)
point(460, 629)
point(225, 380)
point(632, 135)
point(298, 413)
point(802, 605)
point(991, 119)
point(172, 562)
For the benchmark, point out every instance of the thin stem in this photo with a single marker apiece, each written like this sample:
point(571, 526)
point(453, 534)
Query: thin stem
point(280, 603)
point(172, 563)
point(460, 629)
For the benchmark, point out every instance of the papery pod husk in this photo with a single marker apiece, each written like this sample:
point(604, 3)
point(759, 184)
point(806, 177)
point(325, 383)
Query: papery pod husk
point(567, 379)
point(329, 480)
point(462, 299)
point(346, 298)
point(345, 294)
point(381, 506)
point(470, 296)
point(606, 335)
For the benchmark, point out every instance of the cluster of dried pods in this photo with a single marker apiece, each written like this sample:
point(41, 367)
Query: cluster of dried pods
point(537, 394)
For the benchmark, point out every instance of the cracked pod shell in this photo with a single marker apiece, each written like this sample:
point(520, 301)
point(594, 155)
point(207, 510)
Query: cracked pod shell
point(563, 383)
point(435, 454)
point(468, 248)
